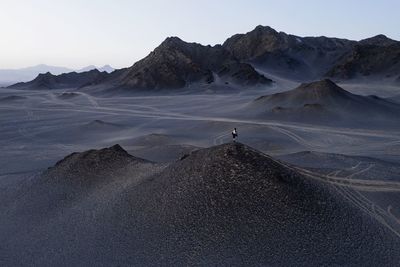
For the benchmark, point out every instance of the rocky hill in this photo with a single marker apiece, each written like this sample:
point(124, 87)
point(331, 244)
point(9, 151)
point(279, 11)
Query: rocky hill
point(224, 205)
point(324, 101)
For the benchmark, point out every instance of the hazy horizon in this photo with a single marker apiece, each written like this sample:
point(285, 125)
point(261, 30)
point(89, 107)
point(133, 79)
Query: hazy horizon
point(76, 34)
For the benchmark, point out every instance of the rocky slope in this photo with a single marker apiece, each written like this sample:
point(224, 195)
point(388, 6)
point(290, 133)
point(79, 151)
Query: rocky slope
point(225, 205)
point(377, 60)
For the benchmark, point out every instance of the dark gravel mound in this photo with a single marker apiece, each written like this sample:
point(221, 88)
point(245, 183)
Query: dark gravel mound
point(93, 162)
point(74, 177)
point(225, 205)
point(231, 205)
point(320, 92)
point(325, 102)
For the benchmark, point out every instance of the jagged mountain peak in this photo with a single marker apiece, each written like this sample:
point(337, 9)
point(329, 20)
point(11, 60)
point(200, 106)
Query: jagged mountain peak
point(173, 40)
point(264, 29)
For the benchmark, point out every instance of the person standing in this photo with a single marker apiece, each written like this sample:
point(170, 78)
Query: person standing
point(234, 134)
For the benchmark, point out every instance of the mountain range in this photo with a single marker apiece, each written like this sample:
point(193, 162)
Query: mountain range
point(178, 64)
point(12, 76)
point(62, 81)
point(309, 58)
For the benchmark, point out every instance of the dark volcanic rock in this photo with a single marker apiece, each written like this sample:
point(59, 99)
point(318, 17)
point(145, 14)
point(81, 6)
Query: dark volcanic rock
point(225, 205)
point(306, 58)
point(288, 55)
point(62, 81)
point(93, 162)
point(324, 92)
point(231, 205)
point(369, 60)
point(256, 43)
point(74, 177)
point(175, 64)
point(324, 101)
point(379, 40)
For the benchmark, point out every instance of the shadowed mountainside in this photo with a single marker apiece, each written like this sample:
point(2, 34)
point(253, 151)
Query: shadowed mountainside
point(306, 58)
point(287, 55)
point(375, 59)
point(224, 205)
point(176, 64)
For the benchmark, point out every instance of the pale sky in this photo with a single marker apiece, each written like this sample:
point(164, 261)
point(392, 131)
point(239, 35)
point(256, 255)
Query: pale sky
point(77, 33)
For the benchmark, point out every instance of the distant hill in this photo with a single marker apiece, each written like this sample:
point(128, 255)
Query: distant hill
point(325, 102)
point(70, 80)
point(12, 76)
point(106, 68)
